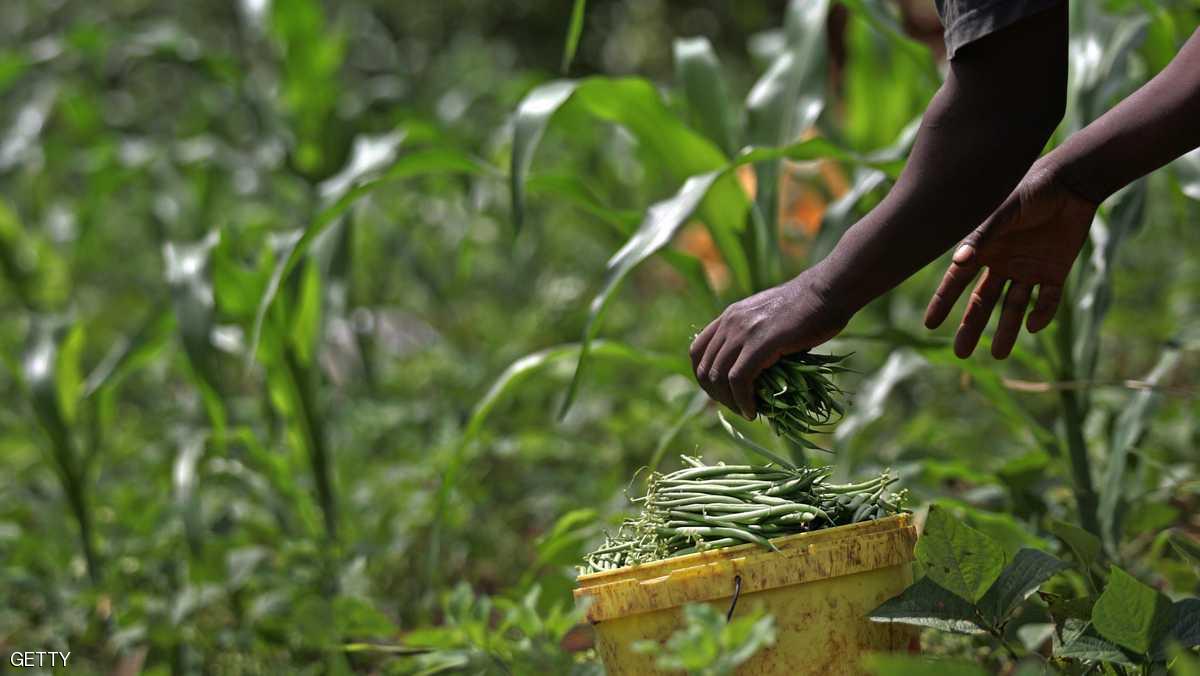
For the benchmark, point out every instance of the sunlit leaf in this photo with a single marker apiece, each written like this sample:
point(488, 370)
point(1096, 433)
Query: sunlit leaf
point(662, 222)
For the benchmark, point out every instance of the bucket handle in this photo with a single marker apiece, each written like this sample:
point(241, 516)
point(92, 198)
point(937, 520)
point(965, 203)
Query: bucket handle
point(737, 592)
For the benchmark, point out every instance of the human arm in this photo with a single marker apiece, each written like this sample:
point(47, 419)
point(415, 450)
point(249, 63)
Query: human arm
point(1036, 234)
point(1001, 100)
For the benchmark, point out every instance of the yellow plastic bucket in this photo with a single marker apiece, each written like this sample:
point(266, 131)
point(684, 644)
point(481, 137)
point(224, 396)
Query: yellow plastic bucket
point(820, 586)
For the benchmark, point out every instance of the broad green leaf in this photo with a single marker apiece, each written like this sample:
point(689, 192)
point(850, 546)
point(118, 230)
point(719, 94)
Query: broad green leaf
point(1081, 642)
point(574, 32)
point(1029, 569)
point(958, 557)
point(749, 445)
point(1129, 613)
point(1130, 426)
point(883, 664)
point(1005, 529)
point(927, 604)
point(698, 74)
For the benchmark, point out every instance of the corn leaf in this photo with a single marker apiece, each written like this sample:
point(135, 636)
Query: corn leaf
point(698, 73)
point(1130, 426)
point(660, 226)
point(433, 161)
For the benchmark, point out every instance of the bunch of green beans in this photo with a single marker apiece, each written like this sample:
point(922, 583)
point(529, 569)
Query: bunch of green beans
point(704, 507)
point(797, 395)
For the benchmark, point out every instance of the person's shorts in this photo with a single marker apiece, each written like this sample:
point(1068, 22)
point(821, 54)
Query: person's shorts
point(966, 21)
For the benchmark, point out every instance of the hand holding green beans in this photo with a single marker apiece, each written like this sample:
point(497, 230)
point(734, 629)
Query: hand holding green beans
point(797, 395)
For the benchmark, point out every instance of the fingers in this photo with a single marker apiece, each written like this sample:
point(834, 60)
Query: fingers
point(718, 373)
point(1009, 327)
point(700, 344)
point(962, 270)
point(1043, 310)
point(979, 309)
point(750, 363)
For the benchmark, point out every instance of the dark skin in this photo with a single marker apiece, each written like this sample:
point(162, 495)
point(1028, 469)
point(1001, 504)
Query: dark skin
point(1022, 223)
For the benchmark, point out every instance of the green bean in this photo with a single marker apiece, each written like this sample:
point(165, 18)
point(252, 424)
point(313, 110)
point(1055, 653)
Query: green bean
point(730, 532)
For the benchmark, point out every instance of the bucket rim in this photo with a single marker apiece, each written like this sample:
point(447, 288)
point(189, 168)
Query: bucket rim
point(665, 566)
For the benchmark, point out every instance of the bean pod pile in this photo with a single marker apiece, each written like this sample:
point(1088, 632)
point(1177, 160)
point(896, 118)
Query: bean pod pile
point(797, 395)
point(704, 507)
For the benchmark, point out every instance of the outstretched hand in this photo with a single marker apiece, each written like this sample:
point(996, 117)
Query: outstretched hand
point(1031, 240)
point(751, 334)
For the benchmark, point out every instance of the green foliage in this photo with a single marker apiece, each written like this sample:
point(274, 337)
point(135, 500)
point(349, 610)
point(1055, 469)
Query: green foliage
point(958, 557)
point(1129, 623)
point(707, 645)
point(264, 400)
point(482, 635)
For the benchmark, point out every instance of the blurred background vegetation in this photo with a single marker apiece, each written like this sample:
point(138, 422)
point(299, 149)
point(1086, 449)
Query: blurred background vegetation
point(281, 377)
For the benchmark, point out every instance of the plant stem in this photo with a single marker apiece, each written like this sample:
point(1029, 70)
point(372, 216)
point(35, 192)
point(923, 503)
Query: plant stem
point(1081, 473)
point(318, 453)
point(1073, 416)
